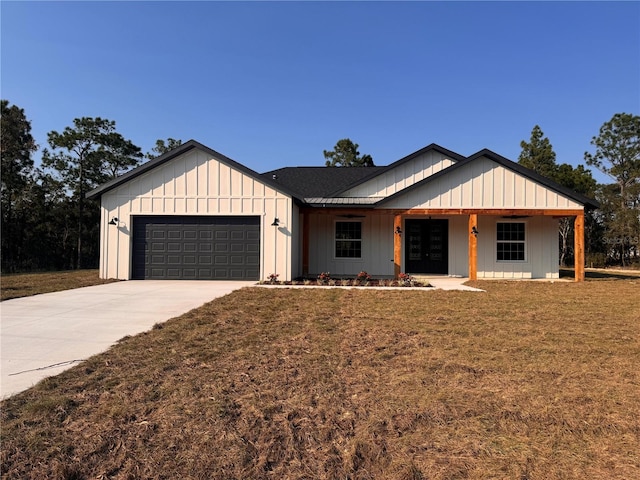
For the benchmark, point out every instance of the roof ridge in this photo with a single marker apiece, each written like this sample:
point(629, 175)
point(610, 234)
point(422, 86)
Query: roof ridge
point(456, 157)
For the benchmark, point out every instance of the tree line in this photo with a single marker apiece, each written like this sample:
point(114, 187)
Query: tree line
point(47, 223)
point(612, 231)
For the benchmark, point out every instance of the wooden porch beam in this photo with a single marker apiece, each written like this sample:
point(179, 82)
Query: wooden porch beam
point(305, 244)
point(397, 245)
point(473, 246)
point(492, 211)
point(567, 212)
point(578, 235)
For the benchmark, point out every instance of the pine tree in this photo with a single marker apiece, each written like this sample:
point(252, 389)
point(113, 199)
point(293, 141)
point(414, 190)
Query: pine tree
point(538, 154)
point(346, 154)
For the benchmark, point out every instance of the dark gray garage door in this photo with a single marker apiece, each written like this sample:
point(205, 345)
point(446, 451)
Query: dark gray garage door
point(196, 248)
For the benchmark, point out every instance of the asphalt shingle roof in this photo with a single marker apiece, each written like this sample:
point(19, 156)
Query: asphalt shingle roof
point(324, 185)
point(319, 181)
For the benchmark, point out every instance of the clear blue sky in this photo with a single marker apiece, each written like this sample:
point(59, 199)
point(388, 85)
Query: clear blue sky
point(273, 84)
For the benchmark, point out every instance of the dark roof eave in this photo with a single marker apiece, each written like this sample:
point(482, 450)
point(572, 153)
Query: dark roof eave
point(368, 206)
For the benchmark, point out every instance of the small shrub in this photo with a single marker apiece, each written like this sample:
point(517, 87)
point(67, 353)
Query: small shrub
point(323, 278)
point(273, 278)
point(363, 277)
point(406, 280)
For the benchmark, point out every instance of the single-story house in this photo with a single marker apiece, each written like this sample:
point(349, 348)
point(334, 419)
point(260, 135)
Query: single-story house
point(193, 213)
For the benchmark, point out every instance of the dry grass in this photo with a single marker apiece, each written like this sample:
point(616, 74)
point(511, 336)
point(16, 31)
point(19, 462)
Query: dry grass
point(530, 380)
point(27, 284)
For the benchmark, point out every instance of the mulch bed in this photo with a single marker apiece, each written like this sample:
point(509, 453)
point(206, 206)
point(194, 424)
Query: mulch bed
point(350, 282)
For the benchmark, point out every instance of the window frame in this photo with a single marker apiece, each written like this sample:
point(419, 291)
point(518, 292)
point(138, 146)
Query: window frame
point(336, 240)
point(523, 242)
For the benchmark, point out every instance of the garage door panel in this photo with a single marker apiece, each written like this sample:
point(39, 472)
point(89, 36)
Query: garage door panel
point(237, 260)
point(174, 247)
point(236, 274)
point(221, 260)
point(189, 274)
point(189, 247)
point(158, 247)
point(174, 260)
point(173, 273)
point(221, 273)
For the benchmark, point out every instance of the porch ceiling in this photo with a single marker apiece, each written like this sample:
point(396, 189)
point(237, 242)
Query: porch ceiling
point(335, 209)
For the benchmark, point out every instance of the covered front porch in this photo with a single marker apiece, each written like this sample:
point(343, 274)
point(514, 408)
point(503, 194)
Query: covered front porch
point(471, 243)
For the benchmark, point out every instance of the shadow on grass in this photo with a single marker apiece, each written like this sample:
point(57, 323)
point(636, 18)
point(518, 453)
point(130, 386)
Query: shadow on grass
point(602, 274)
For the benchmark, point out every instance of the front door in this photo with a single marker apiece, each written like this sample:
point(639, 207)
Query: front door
point(426, 244)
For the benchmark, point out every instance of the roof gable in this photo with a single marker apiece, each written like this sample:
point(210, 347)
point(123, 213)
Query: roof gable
point(473, 161)
point(316, 185)
point(536, 177)
point(184, 148)
point(398, 164)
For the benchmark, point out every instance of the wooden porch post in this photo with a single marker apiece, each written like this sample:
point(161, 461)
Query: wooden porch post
point(397, 245)
point(473, 247)
point(305, 244)
point(578, 247)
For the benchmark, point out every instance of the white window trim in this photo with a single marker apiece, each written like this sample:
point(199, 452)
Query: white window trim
point(348, 259)
point(525, 242)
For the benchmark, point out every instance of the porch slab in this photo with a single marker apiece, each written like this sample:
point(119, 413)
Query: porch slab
point(452, 283)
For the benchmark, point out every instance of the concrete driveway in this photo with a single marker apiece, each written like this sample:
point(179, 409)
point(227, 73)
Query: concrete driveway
point(46, 334)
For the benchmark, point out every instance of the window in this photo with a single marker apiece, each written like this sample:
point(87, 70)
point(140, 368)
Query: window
point(348, 240)
point(511, 242)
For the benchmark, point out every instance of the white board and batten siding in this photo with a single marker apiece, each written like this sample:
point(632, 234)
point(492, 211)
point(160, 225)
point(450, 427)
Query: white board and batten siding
point(377, 247)
point(541, 250)
point(402, 176)
point(196, 184)
point(483, 184)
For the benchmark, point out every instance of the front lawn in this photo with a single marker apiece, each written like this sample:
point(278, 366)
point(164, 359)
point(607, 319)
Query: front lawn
point(530, 380)
point(27, 284)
